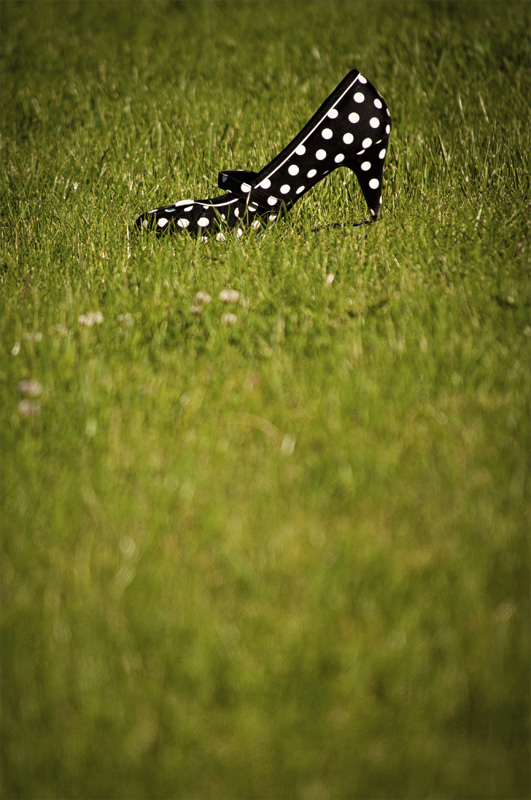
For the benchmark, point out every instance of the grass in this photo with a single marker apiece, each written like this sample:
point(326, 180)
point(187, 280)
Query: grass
point(286, 557)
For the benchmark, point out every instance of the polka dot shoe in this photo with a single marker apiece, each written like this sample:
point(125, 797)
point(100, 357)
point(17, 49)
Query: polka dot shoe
point(351, 129)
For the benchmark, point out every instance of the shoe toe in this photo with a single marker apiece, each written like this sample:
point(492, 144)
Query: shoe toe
point(145, 221)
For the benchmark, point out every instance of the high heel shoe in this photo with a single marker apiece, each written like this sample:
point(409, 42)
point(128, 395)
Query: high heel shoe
point(350, 129)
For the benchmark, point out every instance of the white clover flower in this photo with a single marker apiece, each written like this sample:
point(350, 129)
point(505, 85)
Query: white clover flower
point(30, 388)
point(90, 319)
point(33, 336)
point(62, 330)
point(29, 408)
point(203, 297)
point(229, 296)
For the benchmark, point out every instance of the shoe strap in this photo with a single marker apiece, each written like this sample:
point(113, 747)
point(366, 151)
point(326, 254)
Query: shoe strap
point(239, 182)
point(232, 179)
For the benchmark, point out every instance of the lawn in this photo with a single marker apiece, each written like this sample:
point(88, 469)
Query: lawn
point(274, 545)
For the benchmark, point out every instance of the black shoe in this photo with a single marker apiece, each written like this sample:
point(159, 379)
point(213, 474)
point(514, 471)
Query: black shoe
point(351, 129)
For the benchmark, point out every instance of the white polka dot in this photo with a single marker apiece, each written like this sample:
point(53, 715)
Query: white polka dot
point(359, 97)
point(162, 222)
point(382, 153)
point(220, 237)
point(239, 233)
point(387, 112)
point(388, 129)
point(206, 206)
point(183, 223)
point(374, 122)
point(348, 138)
point(333, 113)
point(252, 207)
point(245, 187)
point(204, 239)
point(339, 158)
point(272, 217)
point(374, 183)
point(300, 150)
point(236, 212)
point(301, 189)
point(354, 117)
point(284, 189)
point(311, 173)
point(271, 200)
point(378, 103)
point(223, 216)
point(320, 155)
point(326, 133)
point(362, 78)
point(293, 169)
point(188, 208)
point(265, 184)
point(366, 143)
point(366, 166)
point(145, 223)
point(203, 222)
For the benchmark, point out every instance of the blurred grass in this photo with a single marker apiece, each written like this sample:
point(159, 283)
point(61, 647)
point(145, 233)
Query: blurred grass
point(287, 557)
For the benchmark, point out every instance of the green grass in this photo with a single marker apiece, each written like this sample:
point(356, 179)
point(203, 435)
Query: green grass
point(288, 557)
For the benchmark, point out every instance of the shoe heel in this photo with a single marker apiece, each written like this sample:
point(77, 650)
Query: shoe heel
point(368, 167)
